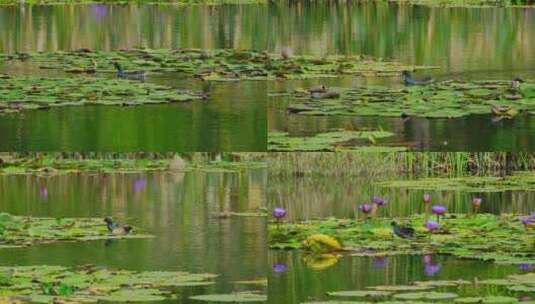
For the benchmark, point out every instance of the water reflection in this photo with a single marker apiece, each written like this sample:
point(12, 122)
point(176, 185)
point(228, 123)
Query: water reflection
point(430, 268)
point(316, 197)
point(176, 208)
point(300, 282)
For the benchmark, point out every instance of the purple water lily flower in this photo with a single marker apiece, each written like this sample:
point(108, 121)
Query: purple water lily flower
point(427, 198)
point(279, 213)
point(476, 201)
point(432, 225)
point(379, 201)
point(431, 269)
point(279, 267)
point(366, 208)
point(526, 221)
point(427, 259)
point(526, 267)
point(439, 210)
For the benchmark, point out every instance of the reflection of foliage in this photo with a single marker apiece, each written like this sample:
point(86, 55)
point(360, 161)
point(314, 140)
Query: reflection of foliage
point(320, 261)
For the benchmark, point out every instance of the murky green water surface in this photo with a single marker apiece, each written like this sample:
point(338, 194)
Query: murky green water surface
point(179, 209)
point(466, 43)
point(233, 119)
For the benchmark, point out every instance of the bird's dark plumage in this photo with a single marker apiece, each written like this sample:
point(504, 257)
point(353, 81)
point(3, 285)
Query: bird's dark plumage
point(135, 75)
point(402, 232)
point(115, 228)
point(409, 80)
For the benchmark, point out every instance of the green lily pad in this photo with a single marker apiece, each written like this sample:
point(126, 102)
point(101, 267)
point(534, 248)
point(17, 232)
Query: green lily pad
point(401, 287)
point(487, 300)
point(329, 141)
point(233, 297)
point(360, 293)
point(91, 284)
point(443, 283)
point(426, 295)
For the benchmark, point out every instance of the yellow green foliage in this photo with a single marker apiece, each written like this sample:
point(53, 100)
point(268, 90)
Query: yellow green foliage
point(321, 243)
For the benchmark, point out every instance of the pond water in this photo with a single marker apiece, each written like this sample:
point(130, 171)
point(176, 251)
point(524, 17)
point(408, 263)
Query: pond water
point(465, 43)
point(294, 277)
point(233, 119)
point(292, 280)
point(177, 208)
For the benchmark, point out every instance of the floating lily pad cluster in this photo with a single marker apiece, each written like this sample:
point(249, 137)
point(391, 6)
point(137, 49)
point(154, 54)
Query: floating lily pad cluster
point(517, 288)
point(422, 292)
point(517, 181)
point(330, 141)
point(92, 284)
point(502, 239)
point(237, 297)
point(52, 166)
point(18, 231)
point(448, 99)
point(20, 93)
point(215, 65)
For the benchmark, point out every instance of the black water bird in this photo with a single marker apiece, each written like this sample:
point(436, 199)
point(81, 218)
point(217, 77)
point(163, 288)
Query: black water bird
point(116, 228)
point(402, 232)
point(134, 75)
point(409, 80)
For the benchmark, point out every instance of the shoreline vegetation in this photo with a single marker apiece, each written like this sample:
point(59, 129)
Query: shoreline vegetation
point(380, 166)
point(62, 163)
